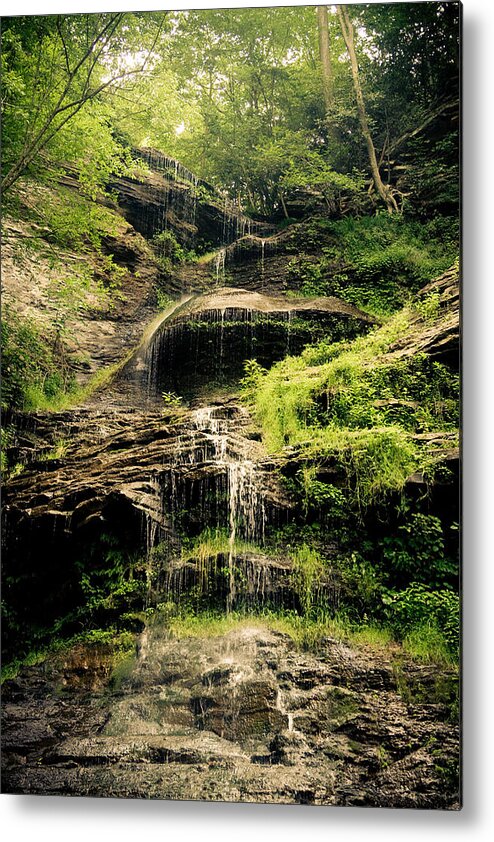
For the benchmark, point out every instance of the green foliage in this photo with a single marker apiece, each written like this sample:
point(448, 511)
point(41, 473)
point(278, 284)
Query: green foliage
point(306, 577)
point(237, 96)
point(169, 249)
point(110, 584)
point(428, 644)
point(307, 632)
point(309, 275)
point(89, 140)
point(428, 307)
point(163, 299)
point(361, 587)
point(417, 552)
point(75, 221)
point(32, 373)
point(8, 434)
point(35, 373)
point(171, 400)
point(374, 262)
point(58, 451)
point(81, 275)
point(58, 71)
point(214, 542)
point(120, 645)
point(253, 373)
point(317, 495)
point(418, 607)
point(245, 88)
point(350, 404)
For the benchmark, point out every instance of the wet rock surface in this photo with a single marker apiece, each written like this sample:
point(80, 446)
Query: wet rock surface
point(166, 198)
point(101, 333)
point(243, 716)
point(228, 298)
point(203, 341)
point(142, 481)
point(126, 450)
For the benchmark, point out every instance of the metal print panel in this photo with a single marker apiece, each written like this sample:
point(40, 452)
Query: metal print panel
point(230, 400)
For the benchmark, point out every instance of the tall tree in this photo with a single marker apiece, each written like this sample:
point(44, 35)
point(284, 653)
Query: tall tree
point(325, 57)
point(383, 189)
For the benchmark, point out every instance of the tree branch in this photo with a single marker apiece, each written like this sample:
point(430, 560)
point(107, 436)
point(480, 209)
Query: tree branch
point(390, 148)
point(96, 43)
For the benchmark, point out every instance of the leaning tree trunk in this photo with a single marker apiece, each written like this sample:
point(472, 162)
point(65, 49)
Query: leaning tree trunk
point(324, 55)
point(348, 34)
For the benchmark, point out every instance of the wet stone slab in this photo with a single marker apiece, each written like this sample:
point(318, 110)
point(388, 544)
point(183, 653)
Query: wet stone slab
point(248, 717)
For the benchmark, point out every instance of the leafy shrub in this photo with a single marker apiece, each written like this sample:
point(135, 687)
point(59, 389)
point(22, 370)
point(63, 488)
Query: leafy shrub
point(171, 400)
point(253, 373)
point(32, 374)
point(420, 606)
point(374, 262)
point(361, 587)
point(319, 495)
point(168, 247)
point(428, 307)
point(110, 580)
point(75, 222)
point(417, 552)
point(309, 276)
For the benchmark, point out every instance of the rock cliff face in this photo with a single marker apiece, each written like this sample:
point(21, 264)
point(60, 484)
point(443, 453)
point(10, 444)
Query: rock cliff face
point(100, 331)
point(203, 343)
point(146, 471)
point(168, 197)
point(243, 716)
point(137, 473)
point(441, 338)
point(145, 480)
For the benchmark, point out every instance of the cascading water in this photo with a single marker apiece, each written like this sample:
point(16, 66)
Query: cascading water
point(179, 199)
point(280, 705)
point(245, 499)
point(219, 266)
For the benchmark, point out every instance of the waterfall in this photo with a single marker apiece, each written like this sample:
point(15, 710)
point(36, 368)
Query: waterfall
point(246, 508)
point(164, 164)
point(178, 196)
point(182, 202)
point(245, 500)
point(222, 331)
point(280, 705)
point(219, 266)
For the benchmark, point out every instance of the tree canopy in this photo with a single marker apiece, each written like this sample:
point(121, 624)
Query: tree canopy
point(250, 99)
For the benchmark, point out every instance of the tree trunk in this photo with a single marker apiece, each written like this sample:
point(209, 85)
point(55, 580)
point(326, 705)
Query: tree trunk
point(348, 34)
point(324, 55)
point(283, 205)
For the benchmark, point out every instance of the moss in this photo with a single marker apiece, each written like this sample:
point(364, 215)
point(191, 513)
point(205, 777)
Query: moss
point(428, 644)
point(342, 702)
point(120, 644)
point(33, 370)
point(351, 403)
point(306, 577)
point(307, 633)
point(374, 262)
